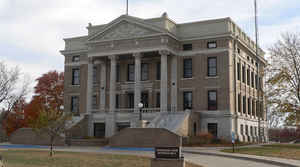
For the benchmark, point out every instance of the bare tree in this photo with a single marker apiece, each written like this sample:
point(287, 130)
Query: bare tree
point(284, 77)
point(12, 88)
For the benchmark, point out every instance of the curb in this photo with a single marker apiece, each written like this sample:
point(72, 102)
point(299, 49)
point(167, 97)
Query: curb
point(243, 158)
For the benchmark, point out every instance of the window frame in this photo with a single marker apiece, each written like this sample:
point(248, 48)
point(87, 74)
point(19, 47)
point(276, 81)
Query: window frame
point(210, 102)
point(189, 104)
point(187, 47)
point(187, 70)
point(129, 73)
point(72, 104)
point(209, 67)
point(212, 42)
point(74, 80)
point(144, 66)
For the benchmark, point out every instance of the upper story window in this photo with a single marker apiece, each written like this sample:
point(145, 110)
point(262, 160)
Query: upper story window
point(212, 44)
point(238, 71)
point(252, 79)
point(74, 104)
point(186, 47)
point(130, 73)
point(75, 76)
point(95, 74)
point(249, 106)
point(239, 103)
point(118, 73)
point(212, 100)
point(94, 102)
point(145, 72)
point(76, 58)
point(187, 100)
point(158, 99)
point(243, 74)
point(248, 76)
point(242, 129)
point(256, 81)
point(244, 104)
point(187, 68)
point(158, 71)
point(212, 66)
point(239, 50)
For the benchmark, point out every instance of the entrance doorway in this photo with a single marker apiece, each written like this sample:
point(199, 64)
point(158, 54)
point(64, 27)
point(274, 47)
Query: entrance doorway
point(212, 128)
point(99, 130)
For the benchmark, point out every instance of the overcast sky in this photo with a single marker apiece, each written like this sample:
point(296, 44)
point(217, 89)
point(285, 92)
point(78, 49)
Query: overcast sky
point(32, 31)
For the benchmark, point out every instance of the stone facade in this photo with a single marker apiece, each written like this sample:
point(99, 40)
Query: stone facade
point(114, 78)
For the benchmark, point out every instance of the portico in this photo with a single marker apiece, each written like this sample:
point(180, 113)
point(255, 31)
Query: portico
point(118, 91)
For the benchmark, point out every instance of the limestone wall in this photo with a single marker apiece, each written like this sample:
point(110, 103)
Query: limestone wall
point(28, 137)
point(145, 138)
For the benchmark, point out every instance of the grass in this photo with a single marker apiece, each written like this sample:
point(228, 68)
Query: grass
point(31, 158)
point(288, 151)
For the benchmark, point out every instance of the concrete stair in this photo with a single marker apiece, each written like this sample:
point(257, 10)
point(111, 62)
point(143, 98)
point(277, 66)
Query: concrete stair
point(175, 122)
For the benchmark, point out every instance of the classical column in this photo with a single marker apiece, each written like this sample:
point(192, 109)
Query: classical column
point(164, 81)
point(112, 89)
point(89, 91)
point(102, 85)
point(174, 83)
point(137, 86)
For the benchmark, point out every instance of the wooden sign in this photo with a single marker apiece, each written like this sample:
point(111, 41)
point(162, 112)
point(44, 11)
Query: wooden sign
point(167, 152)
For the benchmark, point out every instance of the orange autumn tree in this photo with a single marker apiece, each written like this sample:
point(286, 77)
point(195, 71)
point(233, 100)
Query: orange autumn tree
point(48, 94)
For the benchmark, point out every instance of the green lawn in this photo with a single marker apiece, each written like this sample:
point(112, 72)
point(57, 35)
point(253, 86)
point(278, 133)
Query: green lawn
point(30, 158)
point(289, 151)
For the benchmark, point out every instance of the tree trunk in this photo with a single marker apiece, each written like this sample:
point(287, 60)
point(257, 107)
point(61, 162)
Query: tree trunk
point(51, 146)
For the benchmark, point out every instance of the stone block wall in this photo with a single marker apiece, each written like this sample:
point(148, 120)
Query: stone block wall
point(28, 137)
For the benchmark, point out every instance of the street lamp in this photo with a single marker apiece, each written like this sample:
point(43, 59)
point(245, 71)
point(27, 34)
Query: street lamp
point(140, 106)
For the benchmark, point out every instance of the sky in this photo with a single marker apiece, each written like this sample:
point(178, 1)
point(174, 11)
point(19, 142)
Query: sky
point(32, 31)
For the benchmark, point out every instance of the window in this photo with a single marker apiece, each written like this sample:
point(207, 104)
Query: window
point(130, 97)
point(99, 130)
point(212, 100)
point(259, 83)
point(145, 99)
point(212, 66)
point(94, 102)
point(244, 104)
point(158, 100)
point(212, 44)
point(256, 81)
point(187, 100)
point(252, 79)
point(242, 129)
point(75, 76)
point(247, 130)
point(75, 58)
point(186, 47)
point(74, 104)
point(253, 107)
point(238, 71)
point(158, 71)
point(118, 73)
point(131, 72)
point(257, 108)
point(255, 131)
point(238, 50)
point(95, 74)
point(187, 68)
point(212, 128)
point(251, 130)
point(249, 106)
point(248, 77)
point(239, 103)
point(145, 72)
point(243, 74)
point(117, 101)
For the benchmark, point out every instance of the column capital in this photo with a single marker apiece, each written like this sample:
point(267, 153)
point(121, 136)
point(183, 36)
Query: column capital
point(164, 52)
point(97, 61)
point(137, 54)
point(113, 57)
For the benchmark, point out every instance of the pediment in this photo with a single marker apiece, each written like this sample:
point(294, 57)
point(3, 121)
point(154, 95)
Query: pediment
point(124, 30)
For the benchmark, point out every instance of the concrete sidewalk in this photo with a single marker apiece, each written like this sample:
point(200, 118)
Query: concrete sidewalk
point(253, 158)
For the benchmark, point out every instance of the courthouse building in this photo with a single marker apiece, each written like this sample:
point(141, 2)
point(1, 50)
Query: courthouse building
point(193, 77)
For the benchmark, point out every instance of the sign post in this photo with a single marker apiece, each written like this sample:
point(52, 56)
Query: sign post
point(232, 140)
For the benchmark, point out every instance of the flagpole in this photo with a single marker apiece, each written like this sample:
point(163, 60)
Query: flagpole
point(126, 7)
